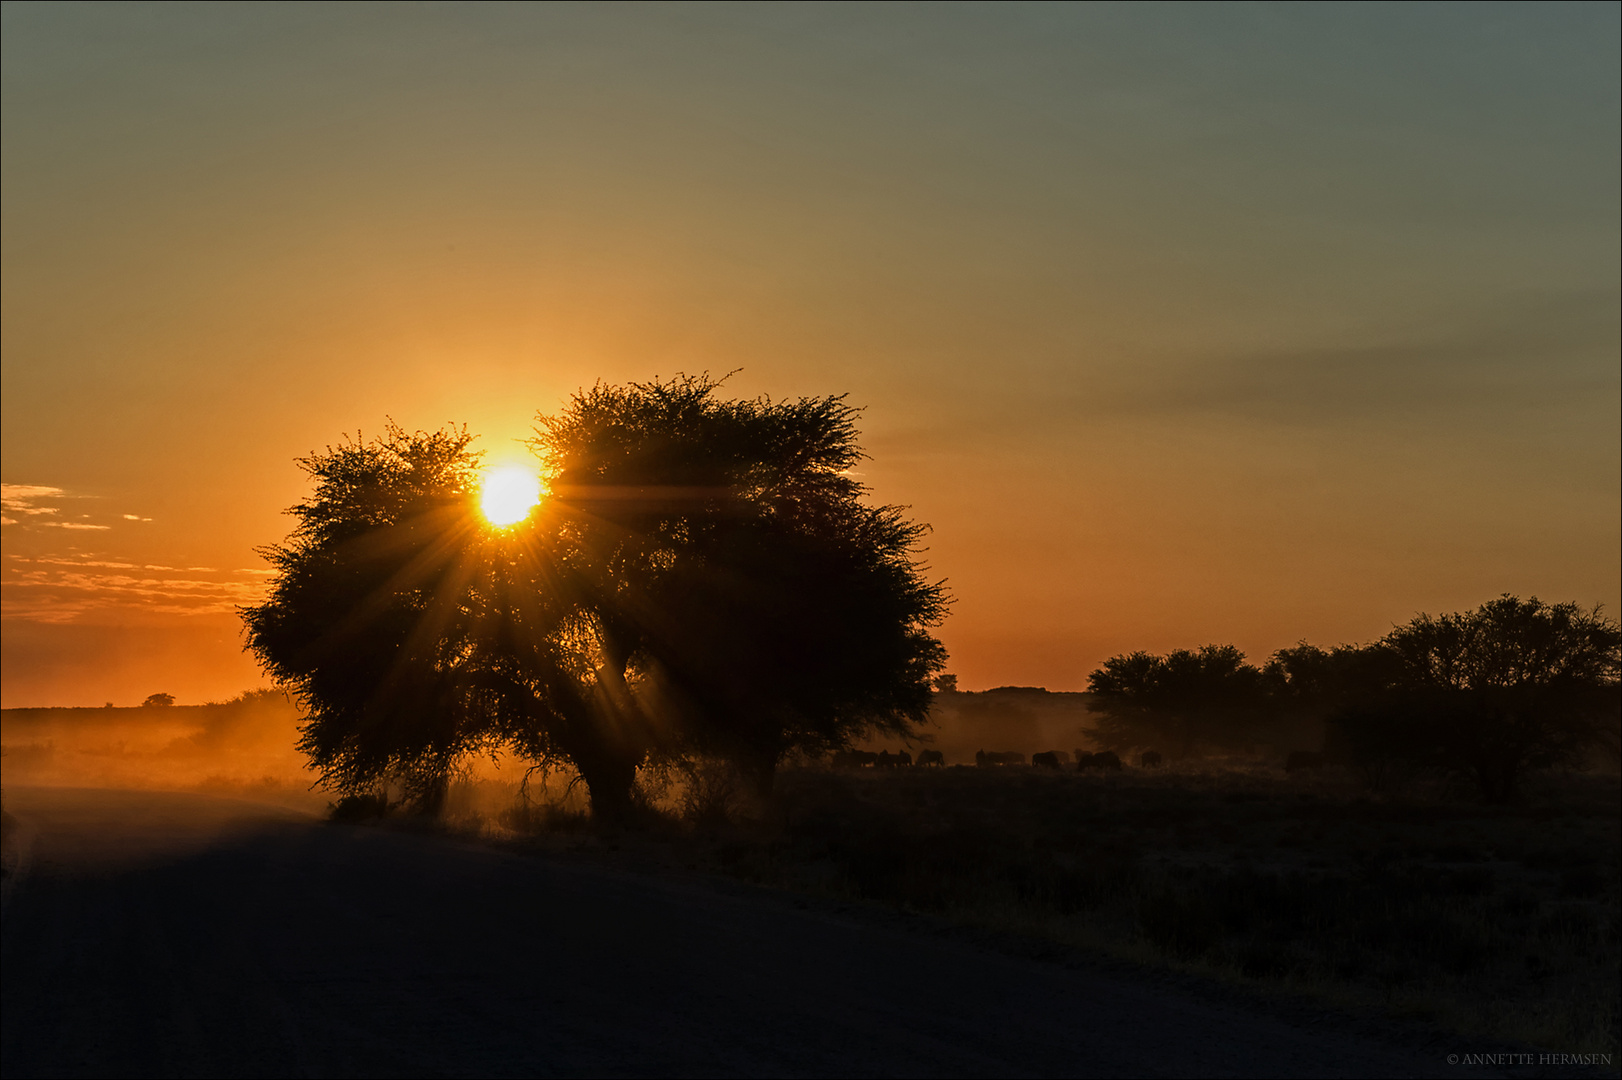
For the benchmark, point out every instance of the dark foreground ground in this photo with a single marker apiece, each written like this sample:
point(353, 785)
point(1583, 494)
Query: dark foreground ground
point(153, 934)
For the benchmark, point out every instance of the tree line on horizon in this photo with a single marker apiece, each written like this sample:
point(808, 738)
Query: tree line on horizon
point(1490, 693)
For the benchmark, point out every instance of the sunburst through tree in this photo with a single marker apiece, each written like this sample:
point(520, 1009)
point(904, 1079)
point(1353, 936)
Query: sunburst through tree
point(703, 577)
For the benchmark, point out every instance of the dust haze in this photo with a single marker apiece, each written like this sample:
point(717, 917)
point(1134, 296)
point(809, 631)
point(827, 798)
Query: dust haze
point(245, 747)
point(1020, 719)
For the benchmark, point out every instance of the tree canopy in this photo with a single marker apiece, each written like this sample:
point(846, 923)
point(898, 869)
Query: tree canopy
point(1187, 700)
point(1511, 685)
point(747, 601)
point(368, 619)
point(705, 577)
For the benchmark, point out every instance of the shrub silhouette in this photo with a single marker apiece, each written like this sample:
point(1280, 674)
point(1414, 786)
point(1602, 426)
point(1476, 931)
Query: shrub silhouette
point(1186, 701)
point(1514, 684)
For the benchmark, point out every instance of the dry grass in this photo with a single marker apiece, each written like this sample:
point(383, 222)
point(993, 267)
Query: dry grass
point(1487, 921)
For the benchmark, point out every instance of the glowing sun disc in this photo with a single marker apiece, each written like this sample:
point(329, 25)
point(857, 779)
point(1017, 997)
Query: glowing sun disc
point(508, 494)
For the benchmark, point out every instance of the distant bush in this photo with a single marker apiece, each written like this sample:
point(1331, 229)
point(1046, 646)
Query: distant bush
point(1190, 700)
point(1485, 694)
point(1511, 686)
point(365, 807)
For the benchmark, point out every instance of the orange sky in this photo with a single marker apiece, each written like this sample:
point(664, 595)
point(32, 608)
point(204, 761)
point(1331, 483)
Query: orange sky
point(1179, 325)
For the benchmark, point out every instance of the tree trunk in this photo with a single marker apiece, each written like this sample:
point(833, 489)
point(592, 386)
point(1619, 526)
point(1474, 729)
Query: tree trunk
point(758, 771)
point(430, 799)
point(1497, 780)
point(606, 755)
point(609, 779)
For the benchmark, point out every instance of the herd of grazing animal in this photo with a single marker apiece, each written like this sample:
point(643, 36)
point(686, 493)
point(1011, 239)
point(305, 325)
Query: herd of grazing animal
point(861, 759)
point(1304, 759)
point(1048, 759)
point(1085, 760)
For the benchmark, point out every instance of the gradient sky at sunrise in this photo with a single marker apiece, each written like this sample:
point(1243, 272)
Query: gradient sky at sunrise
point(1178, 323)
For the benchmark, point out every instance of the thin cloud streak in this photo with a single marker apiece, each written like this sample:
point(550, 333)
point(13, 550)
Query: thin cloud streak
point(19, 498)
point(59, 590)
point(1555, 351)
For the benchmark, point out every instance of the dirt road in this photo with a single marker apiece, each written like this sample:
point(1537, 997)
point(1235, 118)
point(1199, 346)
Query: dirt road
point(178, 935)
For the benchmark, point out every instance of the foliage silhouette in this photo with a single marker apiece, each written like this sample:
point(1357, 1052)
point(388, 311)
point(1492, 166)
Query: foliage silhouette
point(367, 618)
point(1514, 684)
point(158, 699)
point(1186, 701)
point(703, 581)
point(747, 603)
point(1308, 682)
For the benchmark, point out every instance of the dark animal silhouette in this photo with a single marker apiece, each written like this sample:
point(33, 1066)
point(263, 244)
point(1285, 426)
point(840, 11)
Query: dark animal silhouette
point(1304, 759)
point(931, 757)
point(1104, 759)
point(998, 757)
point(854, 759)
point(1149, 759)
point(1048, 759)
point(887, 760)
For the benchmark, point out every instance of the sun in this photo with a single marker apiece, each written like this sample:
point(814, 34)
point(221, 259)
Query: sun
point(508, 493)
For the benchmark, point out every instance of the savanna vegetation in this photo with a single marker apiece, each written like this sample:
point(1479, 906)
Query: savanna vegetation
point(1490, 694)
point(705, 580)
point(1387, 872)
point(706, 617)
point(1424, 904)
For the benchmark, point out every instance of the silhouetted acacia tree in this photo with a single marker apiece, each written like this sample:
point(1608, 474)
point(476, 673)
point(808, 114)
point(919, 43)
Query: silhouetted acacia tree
point(1512, 685)
point(744, 600)
point(1185, 701)
point(1313, 679)
point(704, 579)
point(414, 634)
point(367, 621)
point(1305, 685)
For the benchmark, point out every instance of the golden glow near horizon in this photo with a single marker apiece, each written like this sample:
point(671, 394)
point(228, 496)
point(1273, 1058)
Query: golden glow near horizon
point(508, 494)
point(1354, 359)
